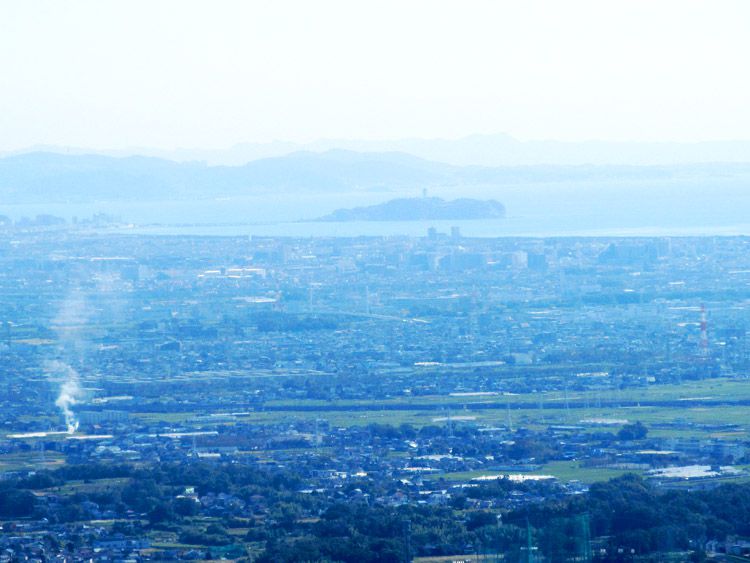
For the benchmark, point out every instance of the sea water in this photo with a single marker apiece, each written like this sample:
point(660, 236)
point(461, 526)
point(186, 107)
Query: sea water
point(674, 207)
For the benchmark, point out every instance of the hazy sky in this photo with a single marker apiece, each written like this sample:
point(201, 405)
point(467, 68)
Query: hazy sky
point(106, 74)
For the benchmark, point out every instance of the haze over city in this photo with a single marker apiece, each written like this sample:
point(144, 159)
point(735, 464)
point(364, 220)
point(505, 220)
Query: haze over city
point(374, 282)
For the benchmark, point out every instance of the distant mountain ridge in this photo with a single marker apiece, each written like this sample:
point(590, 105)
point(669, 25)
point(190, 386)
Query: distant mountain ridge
point(59, 178)
point(424, 208)
point(473, 150)
point(51, 177)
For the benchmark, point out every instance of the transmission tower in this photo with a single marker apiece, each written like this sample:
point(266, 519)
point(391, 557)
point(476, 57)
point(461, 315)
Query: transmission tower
point(530, 548)
point(585, 547)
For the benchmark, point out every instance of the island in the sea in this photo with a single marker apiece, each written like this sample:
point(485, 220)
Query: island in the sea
point(421, 208)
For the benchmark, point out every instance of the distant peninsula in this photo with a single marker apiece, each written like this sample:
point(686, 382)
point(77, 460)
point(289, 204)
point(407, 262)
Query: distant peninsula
point(421, 208)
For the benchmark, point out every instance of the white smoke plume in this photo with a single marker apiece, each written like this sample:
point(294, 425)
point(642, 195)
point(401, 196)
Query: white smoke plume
point(68, 324)
point(70, 391)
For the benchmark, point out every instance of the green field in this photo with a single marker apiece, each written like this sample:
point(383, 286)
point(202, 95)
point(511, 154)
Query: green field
point(717, 389)
point(545, 408)
point(563, 470)
point(24, 461)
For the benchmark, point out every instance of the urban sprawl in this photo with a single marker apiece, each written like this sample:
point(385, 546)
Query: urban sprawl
point(372, 399)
